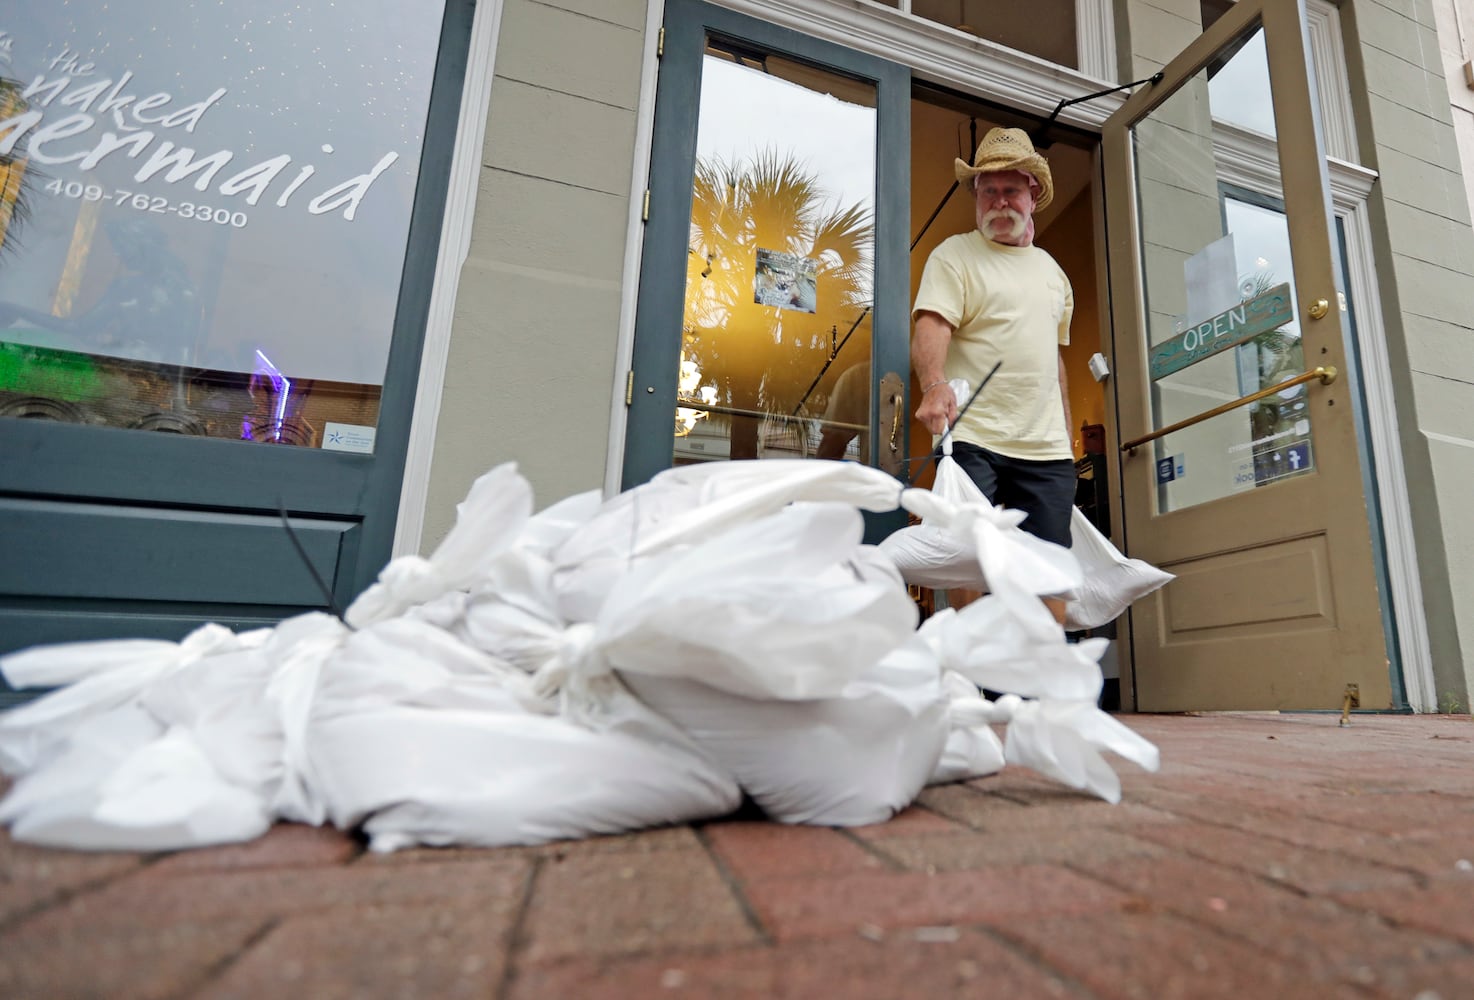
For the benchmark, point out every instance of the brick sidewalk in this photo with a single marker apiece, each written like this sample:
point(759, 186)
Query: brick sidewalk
point(1273, 856)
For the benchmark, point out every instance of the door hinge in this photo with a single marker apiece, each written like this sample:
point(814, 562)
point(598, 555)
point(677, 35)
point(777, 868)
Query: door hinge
point(660, 43)
point(645, 209)
point(629, 387)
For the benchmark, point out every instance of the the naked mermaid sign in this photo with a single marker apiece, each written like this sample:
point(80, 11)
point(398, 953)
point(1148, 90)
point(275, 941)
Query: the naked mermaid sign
point(210, 183)
point(71, 113)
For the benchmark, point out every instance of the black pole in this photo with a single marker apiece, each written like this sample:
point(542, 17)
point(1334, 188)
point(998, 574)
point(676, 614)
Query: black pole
point(1155, 78)
point(832, 355)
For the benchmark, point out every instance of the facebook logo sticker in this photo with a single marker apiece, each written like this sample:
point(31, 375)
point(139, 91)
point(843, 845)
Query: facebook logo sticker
point(1297, 456)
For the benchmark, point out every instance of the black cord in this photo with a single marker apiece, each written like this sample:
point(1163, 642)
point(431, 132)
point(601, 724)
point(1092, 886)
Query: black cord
point(834, 353)
point(322, 586)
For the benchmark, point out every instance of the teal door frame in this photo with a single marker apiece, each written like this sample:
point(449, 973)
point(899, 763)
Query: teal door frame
point(114, 533)
point(656, 355)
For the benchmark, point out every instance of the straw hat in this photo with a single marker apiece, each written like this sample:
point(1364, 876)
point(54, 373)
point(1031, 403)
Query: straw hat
point(1009, 149)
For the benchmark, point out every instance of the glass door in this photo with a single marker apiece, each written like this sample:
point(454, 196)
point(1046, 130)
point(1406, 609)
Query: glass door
point(1240, 467)
point(772, 319)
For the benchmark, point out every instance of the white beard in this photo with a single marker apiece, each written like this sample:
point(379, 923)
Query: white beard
point(1016, 224)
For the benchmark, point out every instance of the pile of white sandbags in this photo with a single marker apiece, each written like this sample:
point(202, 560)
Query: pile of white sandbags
point(595, 668)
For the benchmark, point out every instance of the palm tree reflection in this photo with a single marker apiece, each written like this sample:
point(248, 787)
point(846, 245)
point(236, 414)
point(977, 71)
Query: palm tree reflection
point(14, 205)
point(760, 359)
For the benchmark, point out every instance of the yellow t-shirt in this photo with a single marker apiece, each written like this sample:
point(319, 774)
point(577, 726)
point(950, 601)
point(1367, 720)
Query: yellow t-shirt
point(1009, 304)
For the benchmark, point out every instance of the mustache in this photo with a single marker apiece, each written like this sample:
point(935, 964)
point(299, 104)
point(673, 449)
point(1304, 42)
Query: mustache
point(1016, 222)
point(1003, 213)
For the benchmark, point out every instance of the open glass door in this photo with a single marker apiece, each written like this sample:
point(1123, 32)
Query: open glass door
point(772, 319)
point(1240, 467)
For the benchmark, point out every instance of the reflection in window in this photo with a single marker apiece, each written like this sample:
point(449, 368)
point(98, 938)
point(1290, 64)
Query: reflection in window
point(1238, 86)
point(776, 345)
point(1218, 286)
point(1279, 424)
point(204, 210)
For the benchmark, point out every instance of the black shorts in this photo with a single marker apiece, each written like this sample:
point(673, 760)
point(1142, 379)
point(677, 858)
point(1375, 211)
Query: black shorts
point(1044, 490)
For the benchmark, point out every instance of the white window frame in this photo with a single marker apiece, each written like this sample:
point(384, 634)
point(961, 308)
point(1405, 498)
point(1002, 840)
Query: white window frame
point(455, 244)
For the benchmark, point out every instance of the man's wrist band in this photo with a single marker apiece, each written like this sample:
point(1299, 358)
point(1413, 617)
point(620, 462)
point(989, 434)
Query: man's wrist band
point(928, 388)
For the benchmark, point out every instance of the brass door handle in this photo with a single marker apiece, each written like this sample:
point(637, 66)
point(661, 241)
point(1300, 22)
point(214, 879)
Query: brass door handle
point(1318, 309)
point(891, 397)
point(1326, 374)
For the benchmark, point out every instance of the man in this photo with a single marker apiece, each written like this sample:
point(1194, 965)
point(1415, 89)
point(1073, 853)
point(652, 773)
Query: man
point(991, 296)
point(847, 415)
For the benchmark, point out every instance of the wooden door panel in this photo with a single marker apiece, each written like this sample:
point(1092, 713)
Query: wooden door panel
point(1281, 586)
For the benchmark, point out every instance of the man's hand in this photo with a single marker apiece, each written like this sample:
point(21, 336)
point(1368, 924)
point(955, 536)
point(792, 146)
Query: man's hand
point(938, 408)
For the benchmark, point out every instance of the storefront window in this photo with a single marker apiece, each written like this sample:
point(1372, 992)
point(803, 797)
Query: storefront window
point(204, 212)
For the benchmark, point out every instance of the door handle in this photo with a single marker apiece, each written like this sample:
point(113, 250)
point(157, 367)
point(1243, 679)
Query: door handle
point(1325, 373)
point(891, 457)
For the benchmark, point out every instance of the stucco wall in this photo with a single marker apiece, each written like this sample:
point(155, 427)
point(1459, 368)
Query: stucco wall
point(1425, 262)
point(531, 364)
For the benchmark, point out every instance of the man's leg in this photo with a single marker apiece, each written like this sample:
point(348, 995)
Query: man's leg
point(976, 462)
point(1045, 491)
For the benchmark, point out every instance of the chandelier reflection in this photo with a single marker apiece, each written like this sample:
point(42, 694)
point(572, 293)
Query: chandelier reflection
point(689, 389)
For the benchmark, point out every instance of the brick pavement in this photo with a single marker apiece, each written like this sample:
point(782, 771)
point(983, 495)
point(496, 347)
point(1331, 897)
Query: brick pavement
point(1273, 856)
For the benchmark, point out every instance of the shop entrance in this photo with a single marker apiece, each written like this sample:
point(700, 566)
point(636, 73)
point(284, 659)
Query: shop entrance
point(773, 322)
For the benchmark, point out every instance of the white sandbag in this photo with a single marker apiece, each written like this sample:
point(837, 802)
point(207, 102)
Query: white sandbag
point(929, 556)
point(407, 662)
point(488, 521)
point(513, 601)
point(193, 752)
point(549, 528)
point(729, 493)
point(484, 778)
point(973, 749)
point(99, 676)
point(511, 613)
point(780, 607)
point(1008, 641)
point(66, 782)
point(849, 760)
point(1063, 739)
point(243, 708)
point(987, 541)
point(691, 504)
point(125, 785)
point(1111, 580)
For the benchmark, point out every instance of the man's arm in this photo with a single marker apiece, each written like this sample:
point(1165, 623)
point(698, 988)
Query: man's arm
point(1064, 394)
point(938, 406)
